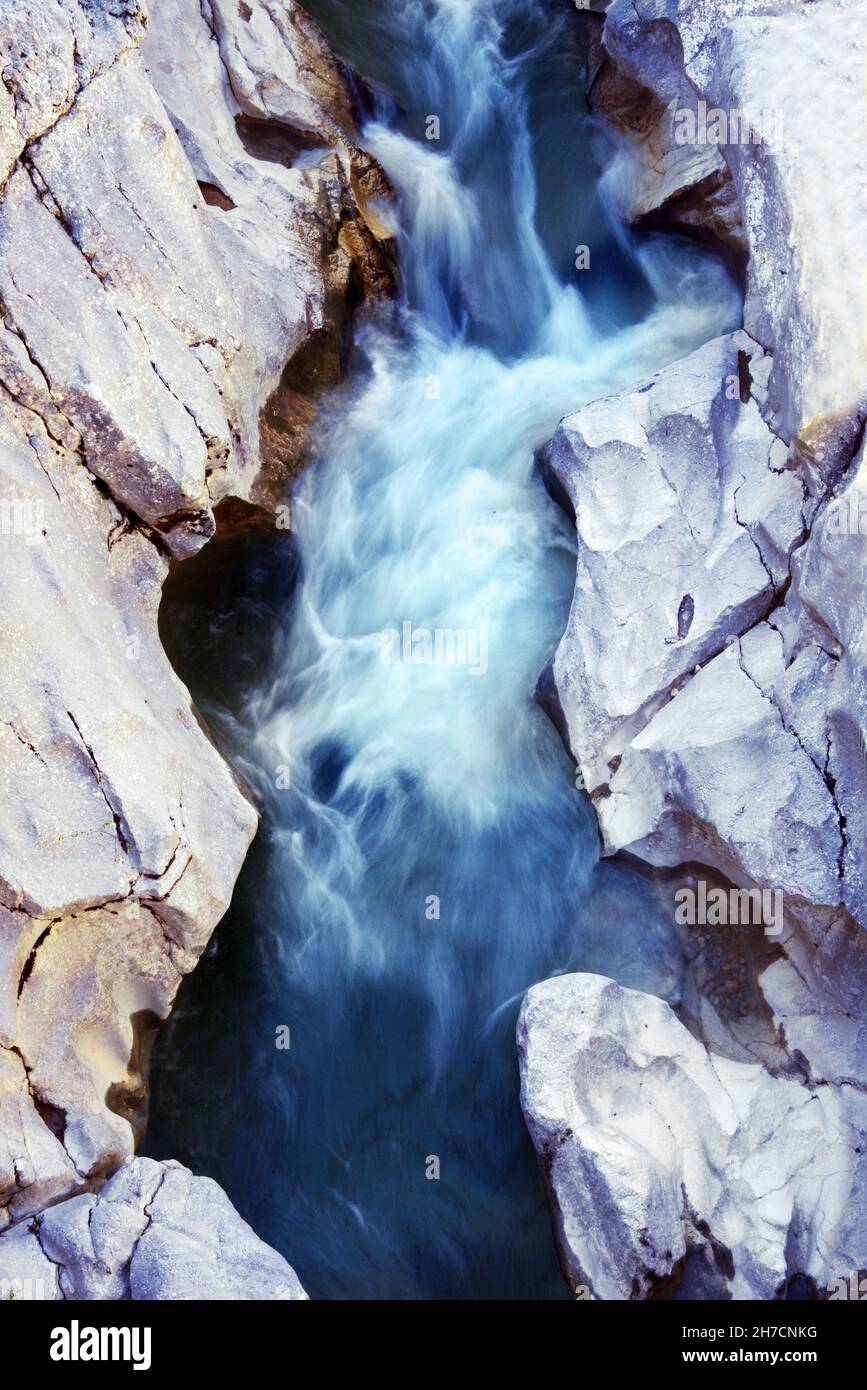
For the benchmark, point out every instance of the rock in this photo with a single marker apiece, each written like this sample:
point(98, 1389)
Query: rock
point(281, 69)
point(669, 1167)
point(154, 1231)
point(718, 717)
point(180, 314)
point(766, 727)
point(717, 778)
point(637, 81)
point(680, 498)
point(50, 52)
point(806, 294)
point(123, 830)
point(200, 257)
point(32, 1158)
point(828, 621)
point(114, 372)
point(299, 211)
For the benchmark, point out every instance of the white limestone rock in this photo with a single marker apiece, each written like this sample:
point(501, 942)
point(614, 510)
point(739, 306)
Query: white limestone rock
point(717, 778)
point(685, 521)
point(638, 82)
point(735, 739)
point(154, 1231)
point(26, 1273)
point(298, 229)
point(754, 765)
point(758, 767)
point(142, 330)
point(280, 68)
point(33, 1163)
point(829, 614)
point(665, 1163)
point(157, 327)
point(122, 831)
point(49, 51)
point(794, 74)
point(817, 991)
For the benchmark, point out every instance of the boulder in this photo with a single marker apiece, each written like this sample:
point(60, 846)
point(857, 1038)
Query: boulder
point(154, 1231)
point(669, 1168)
point(686, 518)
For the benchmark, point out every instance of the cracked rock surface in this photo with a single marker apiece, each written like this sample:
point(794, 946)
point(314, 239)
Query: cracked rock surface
point(711, 682)
point(792, 71)
point(670, 1166)
point(153, 1231)
point(680, 495)
point(187, 225)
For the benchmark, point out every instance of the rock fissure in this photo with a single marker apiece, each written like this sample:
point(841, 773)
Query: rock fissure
point(120, 826)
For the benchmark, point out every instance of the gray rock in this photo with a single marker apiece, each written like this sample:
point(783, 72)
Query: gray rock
point(163, 287)
point(685, 522)
point(807, 296)
point(122, 831)
point(280, 69)
point(666, 1163)
point(719, 721)
point(295, 226)
point(154, 1231)
point(768, 733)
point(717, 778)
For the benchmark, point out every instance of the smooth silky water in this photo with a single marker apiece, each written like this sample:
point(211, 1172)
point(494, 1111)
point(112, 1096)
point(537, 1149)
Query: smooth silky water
point(386, 785)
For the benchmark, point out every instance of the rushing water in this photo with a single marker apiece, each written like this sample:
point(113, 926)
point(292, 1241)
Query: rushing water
point(424, 855)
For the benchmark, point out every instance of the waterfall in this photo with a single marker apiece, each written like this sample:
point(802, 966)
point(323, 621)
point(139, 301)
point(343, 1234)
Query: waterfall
point(425, 855)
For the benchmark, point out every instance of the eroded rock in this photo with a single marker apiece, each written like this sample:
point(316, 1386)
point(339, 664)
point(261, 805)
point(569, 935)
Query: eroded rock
point(670, 1167)
point(788, 77)
point(685, 518)
point(165, 268)
point(718, 721)
point(122, 831)
point(154, 1231)
point(299, 211)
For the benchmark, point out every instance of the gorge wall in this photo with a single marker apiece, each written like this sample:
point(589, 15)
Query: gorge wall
point(187, 224)
point(711, 681)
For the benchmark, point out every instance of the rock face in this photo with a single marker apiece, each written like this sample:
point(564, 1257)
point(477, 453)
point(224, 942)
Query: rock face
point(681, 496)
point(297, 211)
point(712, 679)
point(186, 226)
point(670, 1167)
point(154, 1231)
point(754, 61)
